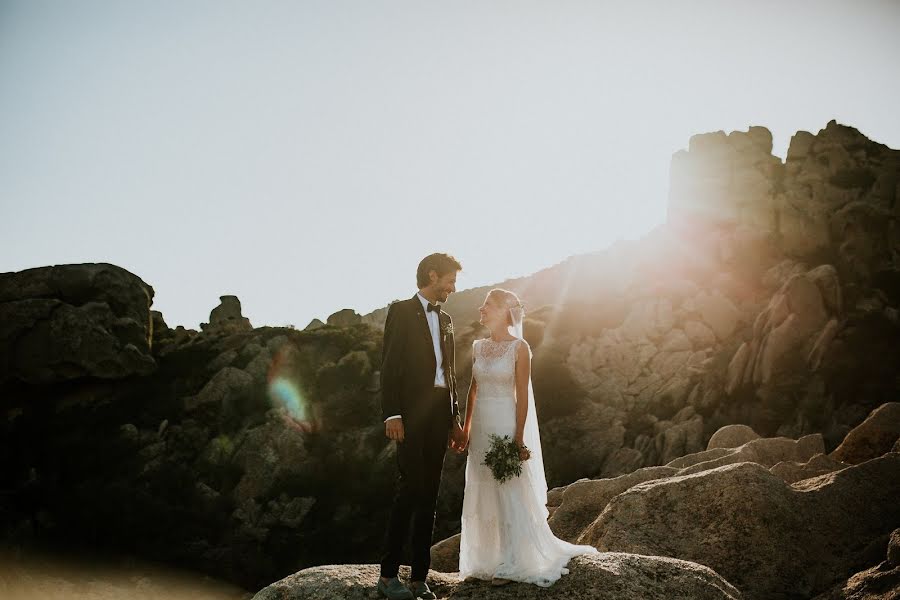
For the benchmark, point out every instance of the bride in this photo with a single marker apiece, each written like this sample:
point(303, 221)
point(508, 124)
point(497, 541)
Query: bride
point(505, 536)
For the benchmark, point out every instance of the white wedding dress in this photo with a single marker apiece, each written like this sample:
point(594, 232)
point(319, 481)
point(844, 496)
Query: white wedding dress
point(504, 526)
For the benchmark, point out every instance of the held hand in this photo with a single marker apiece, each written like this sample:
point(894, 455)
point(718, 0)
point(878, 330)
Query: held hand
point(459, 439)
point(393, 428)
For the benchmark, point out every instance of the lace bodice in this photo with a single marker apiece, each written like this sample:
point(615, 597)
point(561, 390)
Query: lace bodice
point(495, 367)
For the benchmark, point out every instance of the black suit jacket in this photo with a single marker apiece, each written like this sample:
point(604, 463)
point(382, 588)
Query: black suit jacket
point(408, 363)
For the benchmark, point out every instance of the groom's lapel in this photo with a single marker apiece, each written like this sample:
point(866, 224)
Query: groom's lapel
point(443, 322)
point(422, 319)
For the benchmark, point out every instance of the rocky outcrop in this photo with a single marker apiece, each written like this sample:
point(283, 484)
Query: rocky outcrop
point(873, 437)
point(593, 577)
point(344, 318)
point(226, 317)
point(314, 324)
point(73, 321)
point(227, 452)
point(831, 182)
point(792, 282)
point(724, 178)
point(806, 544)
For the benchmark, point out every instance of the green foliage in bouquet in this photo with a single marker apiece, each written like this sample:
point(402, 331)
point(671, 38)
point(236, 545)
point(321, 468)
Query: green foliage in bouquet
point(503, 458)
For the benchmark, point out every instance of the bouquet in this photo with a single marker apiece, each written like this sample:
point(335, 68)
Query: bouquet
point(503, 458)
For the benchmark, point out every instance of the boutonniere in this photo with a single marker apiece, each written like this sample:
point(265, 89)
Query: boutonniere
point(447, 329)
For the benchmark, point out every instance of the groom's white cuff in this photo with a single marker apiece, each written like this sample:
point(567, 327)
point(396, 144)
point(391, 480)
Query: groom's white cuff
point(394, 417)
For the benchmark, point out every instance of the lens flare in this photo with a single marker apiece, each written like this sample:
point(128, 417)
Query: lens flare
point(285, 392)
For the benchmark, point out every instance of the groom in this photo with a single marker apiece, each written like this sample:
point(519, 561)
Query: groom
point(420, 409)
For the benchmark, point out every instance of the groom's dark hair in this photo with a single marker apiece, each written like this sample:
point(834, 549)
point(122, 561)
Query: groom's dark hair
point(438, 262)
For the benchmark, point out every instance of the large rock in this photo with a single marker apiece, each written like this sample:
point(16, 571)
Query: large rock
point(604, 576)
point(445, 555)
point(732, 436)
point(737, 367)
point(770, 539)
point(72, 321)
point(227, 317)
point(794, 331)
point(873, 437)
point(344, 318)
point(679, 438)
point(583, 500)
point(820, 464)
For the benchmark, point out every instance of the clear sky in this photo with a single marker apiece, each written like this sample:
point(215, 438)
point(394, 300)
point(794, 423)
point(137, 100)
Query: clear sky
point(305, 155)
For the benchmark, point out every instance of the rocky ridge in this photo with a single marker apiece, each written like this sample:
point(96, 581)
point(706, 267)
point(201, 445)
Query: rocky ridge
point(767, 303)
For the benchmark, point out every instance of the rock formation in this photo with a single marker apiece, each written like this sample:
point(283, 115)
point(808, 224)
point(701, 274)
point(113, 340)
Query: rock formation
point(344, 318)
point(873, 437)
point(227, 317)
point(747, 344)
point(70, 321)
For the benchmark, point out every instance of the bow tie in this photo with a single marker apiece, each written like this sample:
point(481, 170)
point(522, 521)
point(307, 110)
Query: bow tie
point(433, 307)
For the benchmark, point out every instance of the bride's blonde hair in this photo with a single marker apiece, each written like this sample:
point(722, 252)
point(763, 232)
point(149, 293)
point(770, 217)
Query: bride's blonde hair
point(506, 299)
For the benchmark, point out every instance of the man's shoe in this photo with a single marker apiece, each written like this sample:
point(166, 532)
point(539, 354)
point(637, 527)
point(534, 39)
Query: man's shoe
point(393, 589)
point(422, 591)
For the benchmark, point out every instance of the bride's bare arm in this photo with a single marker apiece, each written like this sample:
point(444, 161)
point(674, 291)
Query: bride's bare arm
point(470, 400)
point(523, 374)
point(470, 405)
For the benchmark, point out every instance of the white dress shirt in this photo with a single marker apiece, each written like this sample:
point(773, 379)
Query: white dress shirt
point(434, 326)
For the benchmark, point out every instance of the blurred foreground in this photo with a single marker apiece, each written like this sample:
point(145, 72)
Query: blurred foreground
point(31, 576)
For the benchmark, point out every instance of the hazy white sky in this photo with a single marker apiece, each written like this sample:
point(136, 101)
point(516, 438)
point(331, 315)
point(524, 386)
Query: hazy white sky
point(305, 155)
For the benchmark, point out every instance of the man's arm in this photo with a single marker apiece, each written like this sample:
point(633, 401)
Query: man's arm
point(392, 367)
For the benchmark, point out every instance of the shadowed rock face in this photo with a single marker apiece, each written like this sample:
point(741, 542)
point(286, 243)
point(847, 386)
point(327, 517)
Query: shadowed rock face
point(240, 455)
point(881, 582)
point(69, 321)
point(593, 577)
point(873, 437)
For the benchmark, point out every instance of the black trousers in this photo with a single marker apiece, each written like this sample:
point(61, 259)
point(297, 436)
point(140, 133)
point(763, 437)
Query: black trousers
point(420, 460)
